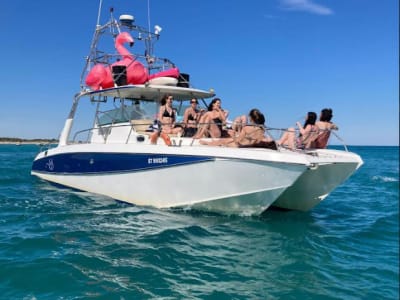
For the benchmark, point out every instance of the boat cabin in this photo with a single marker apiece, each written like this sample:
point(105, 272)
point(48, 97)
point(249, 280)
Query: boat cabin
point(128, 114)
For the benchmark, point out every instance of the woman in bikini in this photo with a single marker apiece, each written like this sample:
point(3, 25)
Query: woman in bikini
point(167, 117)
point(251, 134)
point(212, 121)
point(190, 118)
point(325, 126)
point(307, 134)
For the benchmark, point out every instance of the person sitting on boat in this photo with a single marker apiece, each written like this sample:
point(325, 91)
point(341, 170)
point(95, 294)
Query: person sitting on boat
point(307, 134)
point(167, 117)
point(325, 126)
point(251, 135)
point(238, 124)
point(137, 111)
point(191, 118)
point(211, 123)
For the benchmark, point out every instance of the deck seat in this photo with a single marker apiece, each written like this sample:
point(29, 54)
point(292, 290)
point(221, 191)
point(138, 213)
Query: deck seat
point(141, 126)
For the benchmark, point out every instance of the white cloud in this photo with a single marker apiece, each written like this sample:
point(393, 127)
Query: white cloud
point(307, 6)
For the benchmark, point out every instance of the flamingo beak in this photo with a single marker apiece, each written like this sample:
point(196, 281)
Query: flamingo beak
point(131, 44)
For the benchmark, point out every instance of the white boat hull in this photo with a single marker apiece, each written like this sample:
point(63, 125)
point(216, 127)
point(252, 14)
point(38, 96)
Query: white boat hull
point(330, 169)
point(226, 183)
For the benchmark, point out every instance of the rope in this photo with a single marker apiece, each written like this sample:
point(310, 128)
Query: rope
point(340, 139)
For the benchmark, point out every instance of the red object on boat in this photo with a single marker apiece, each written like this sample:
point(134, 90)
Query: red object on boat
point(101, 77)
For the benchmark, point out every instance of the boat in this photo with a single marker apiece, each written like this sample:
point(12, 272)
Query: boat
point(328, 169)
point(113, 155)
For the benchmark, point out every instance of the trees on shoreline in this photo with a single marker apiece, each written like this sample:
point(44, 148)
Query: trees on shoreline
point(19, 140)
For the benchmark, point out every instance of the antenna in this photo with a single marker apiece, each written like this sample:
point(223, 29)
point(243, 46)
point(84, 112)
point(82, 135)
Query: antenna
point(148, 14)
point(98, 14)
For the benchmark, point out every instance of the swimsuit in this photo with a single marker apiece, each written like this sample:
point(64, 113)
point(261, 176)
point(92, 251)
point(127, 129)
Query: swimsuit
point(191, 118)
point(218, 122)
point(166, 114)
point(190, 131)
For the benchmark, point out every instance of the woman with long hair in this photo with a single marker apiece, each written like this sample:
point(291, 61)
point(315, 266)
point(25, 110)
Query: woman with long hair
point(211, 123)
point(307, 134)
point(325, 126)
point(251, 134)
point(167, 118)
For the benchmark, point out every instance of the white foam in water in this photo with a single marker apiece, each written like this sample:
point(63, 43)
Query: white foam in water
point(385, 179)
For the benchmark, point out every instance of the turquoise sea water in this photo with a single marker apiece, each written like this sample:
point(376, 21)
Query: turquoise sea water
point(59, 244)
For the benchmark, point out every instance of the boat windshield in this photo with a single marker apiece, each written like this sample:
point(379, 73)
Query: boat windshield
point(125, 110)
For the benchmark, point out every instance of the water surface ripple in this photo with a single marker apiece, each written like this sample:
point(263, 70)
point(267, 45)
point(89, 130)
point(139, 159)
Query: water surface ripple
point(60, 244)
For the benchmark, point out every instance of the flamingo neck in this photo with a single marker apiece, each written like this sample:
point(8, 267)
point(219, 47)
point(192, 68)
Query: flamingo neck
point(123, 52)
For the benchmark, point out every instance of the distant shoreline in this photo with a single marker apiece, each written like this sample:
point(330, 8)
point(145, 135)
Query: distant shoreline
point(25, 143)
point(18, 141)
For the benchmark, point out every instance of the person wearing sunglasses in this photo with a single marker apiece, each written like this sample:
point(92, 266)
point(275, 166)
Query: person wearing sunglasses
point(191, 118)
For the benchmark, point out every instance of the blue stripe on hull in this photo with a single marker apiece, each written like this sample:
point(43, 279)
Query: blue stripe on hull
point(95, 163)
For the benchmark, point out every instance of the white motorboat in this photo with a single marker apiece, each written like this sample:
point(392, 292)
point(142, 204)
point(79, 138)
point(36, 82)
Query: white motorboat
point(114, 156)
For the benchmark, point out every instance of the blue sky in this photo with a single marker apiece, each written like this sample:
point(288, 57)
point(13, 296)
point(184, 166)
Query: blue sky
point(285, 57)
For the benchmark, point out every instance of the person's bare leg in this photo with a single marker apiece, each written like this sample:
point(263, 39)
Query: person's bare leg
point(154, 137)
point(203, 127)
point(288, 138)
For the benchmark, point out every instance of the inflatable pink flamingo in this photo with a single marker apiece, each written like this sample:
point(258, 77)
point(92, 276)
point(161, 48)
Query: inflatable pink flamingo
point(100, 76)
point(135, 71)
